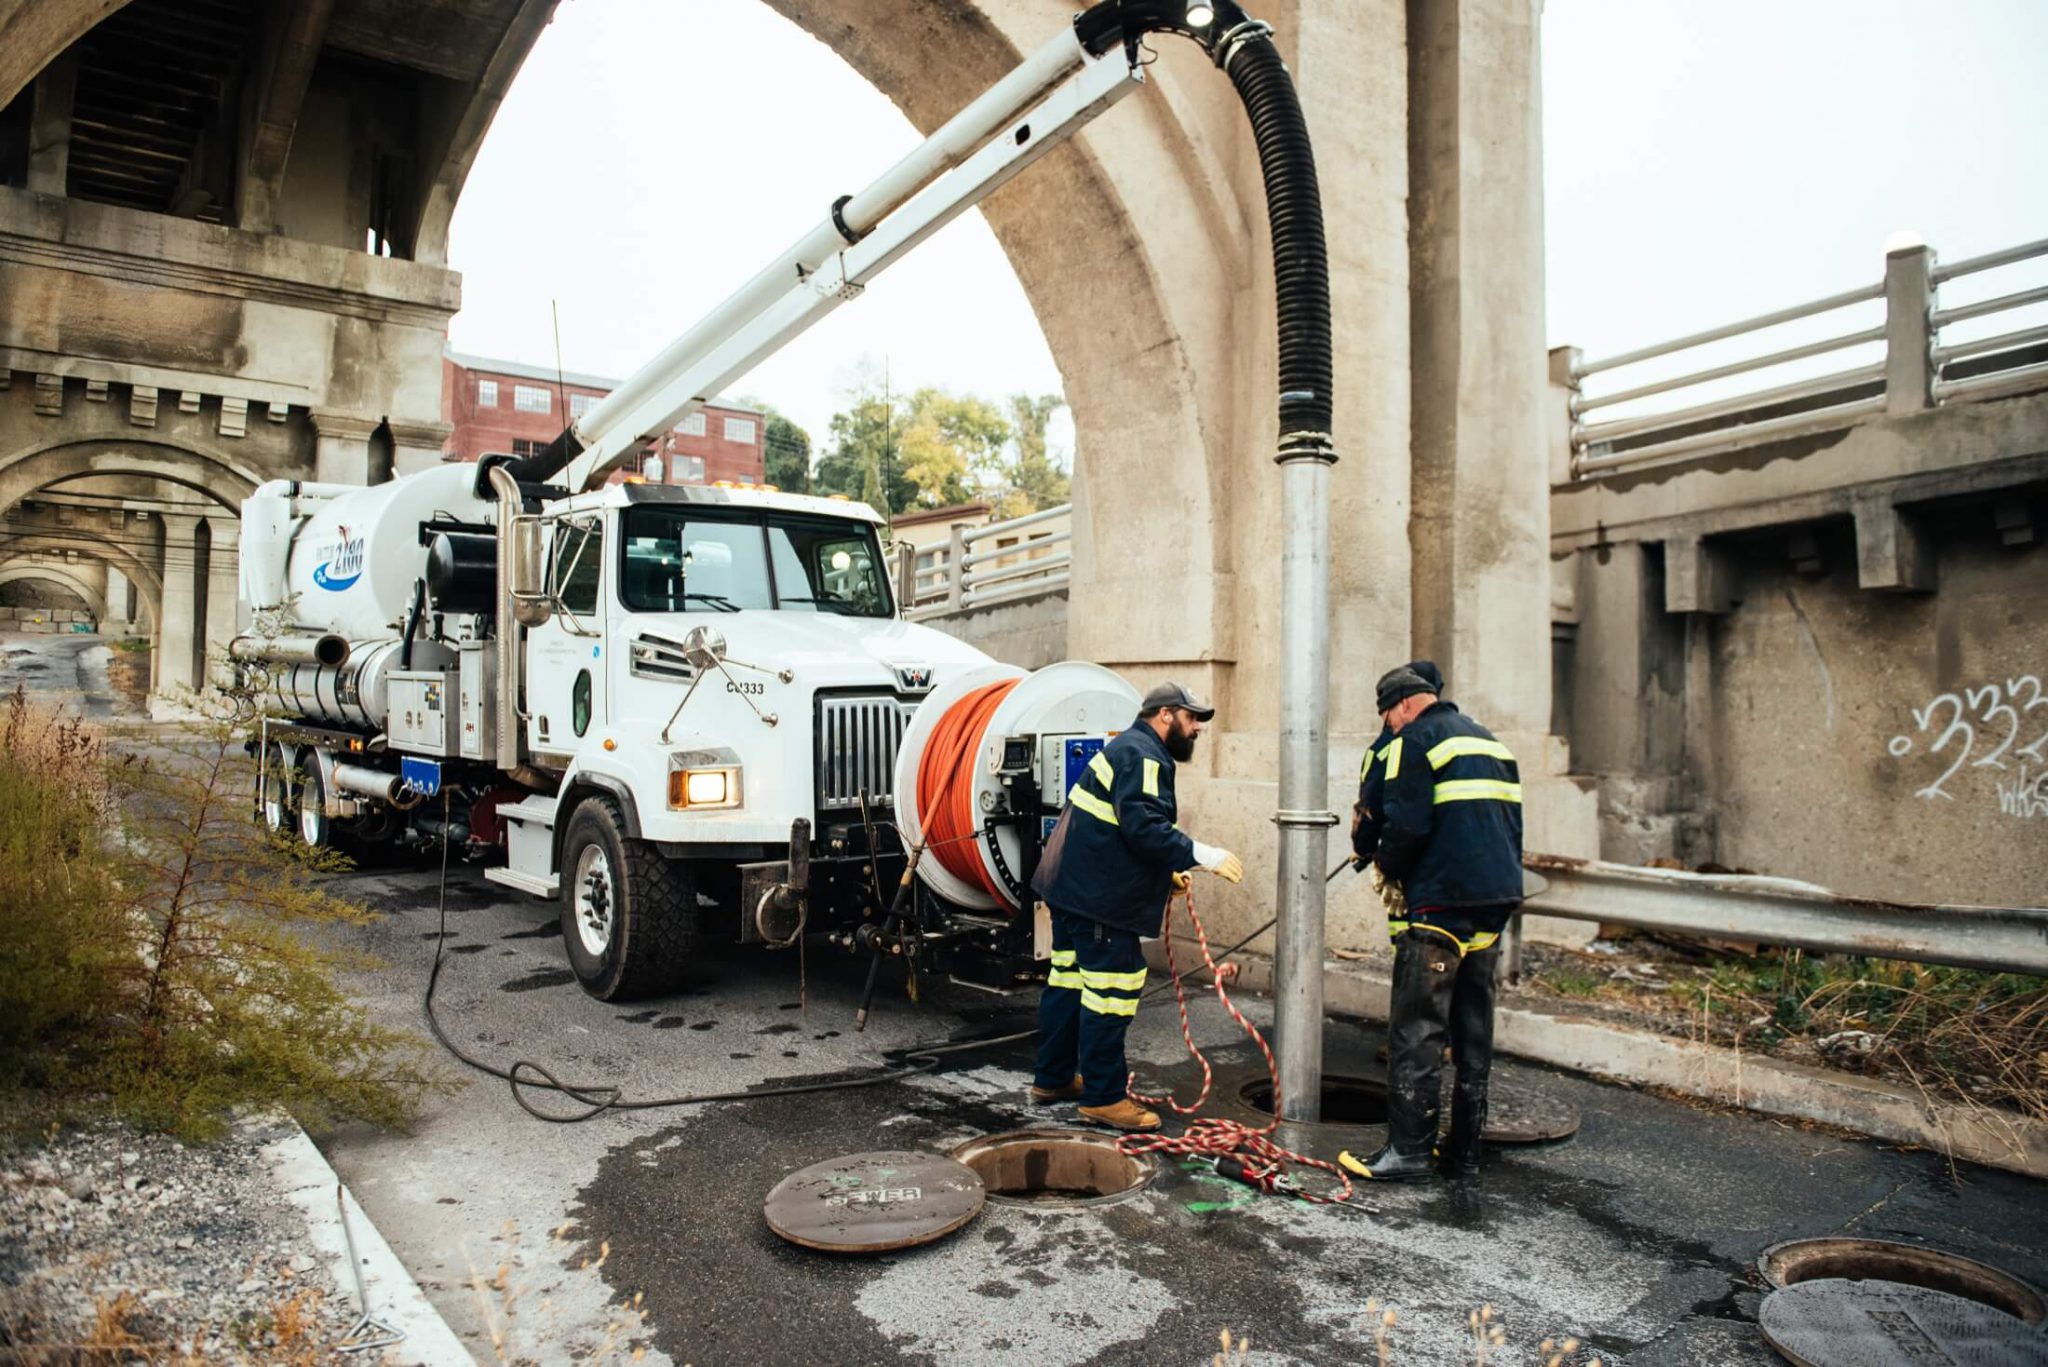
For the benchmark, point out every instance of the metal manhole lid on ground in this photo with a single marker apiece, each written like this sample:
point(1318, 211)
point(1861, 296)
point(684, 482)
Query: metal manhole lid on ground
point(874, 1202)
point(1836, 1323)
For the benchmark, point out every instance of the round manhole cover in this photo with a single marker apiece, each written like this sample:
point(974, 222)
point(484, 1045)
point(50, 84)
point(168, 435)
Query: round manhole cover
point(1054, 1168)
point(1836, 1323)
point(874, 1202)
point(1805, 1260)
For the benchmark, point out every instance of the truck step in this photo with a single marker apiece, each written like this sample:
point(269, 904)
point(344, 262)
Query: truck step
point(525, 882)
point(539, 809)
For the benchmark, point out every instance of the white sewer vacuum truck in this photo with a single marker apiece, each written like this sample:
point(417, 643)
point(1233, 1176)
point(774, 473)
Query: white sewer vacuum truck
point(689, 712)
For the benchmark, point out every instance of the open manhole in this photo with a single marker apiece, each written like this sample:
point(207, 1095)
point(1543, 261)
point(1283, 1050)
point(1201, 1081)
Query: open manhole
point(1054, 1168)
point(1346, 1100)
point(1805, 1260)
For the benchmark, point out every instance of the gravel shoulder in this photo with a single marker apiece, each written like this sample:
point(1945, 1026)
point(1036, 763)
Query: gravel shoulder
point(156, 1251)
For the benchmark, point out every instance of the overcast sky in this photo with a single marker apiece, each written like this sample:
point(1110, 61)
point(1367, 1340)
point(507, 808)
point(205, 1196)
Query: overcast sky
point(1702, 163)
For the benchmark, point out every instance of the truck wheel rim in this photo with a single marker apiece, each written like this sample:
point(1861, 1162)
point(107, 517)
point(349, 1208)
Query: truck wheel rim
point(311, 817)
point(594, 901)
point(273, 813)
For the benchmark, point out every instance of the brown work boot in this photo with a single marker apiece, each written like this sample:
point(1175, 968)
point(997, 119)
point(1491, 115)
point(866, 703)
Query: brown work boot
point(1125, 1114)
point(1045, 1096)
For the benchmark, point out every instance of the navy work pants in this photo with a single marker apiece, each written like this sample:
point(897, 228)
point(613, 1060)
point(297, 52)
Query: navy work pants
point(1090, 999)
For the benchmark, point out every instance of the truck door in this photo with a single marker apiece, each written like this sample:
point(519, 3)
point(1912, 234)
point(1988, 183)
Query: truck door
point(565, 681)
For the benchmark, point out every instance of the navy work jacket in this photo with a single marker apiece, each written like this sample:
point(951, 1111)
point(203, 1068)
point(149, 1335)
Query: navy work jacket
point(1452, 830)
point(1372, 801)
point(1115, 850)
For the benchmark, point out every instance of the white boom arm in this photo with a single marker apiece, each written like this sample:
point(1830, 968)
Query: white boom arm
point(866, 233)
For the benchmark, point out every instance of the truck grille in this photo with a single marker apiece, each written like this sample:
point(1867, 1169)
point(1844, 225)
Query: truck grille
point(858, 738)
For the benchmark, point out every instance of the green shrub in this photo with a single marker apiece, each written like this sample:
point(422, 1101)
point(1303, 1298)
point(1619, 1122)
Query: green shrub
point(152, 943)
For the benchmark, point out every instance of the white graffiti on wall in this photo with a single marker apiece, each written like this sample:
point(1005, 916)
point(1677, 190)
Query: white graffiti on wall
point(1999, 716)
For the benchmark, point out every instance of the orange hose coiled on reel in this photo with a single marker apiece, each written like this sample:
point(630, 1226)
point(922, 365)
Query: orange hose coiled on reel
point(945, 787)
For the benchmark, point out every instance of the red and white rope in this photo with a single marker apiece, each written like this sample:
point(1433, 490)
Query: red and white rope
point(1263, 1163)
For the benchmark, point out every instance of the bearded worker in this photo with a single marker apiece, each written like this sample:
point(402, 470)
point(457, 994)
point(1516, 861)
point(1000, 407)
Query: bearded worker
point(1113, 860)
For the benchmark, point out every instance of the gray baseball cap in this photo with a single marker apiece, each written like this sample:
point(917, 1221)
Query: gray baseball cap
point(1173, 695)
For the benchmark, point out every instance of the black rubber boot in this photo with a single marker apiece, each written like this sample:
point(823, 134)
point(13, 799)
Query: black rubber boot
point(1425, 975)
point(1471, 1030)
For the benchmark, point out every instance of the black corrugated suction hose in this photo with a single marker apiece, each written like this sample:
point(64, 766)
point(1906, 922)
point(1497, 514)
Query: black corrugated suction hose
point(1301, 264)
point(1244, 49)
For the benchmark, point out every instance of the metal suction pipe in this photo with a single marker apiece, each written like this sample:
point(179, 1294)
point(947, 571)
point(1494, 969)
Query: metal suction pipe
point(322, 649)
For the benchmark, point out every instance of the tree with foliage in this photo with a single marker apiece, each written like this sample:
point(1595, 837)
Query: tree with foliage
point(1032, 480)
point(926, 449)
point(786, 452)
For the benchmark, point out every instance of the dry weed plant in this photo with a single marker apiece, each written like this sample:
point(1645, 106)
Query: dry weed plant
point(500, 1297)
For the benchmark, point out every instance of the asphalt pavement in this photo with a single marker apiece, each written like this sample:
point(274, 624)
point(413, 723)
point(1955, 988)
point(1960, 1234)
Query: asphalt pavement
point(1639, 1235)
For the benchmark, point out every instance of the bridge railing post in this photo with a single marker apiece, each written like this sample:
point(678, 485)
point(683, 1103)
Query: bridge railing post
point(956, 568)
point(1909, 329)
point(1560, 419)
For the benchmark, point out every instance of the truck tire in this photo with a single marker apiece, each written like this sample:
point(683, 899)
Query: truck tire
point(310, 808)
point(628, 915)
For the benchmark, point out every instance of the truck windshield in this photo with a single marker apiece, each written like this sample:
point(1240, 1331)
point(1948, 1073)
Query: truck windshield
point(691, 560)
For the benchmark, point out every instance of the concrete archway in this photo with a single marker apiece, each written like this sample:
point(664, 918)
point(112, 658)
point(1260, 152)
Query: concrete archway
point(149, 585)
point(95, 600)
point(24, 472)
point(34, 31)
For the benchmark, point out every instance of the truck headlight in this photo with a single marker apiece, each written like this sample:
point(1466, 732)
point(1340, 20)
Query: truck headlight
point(695, 789)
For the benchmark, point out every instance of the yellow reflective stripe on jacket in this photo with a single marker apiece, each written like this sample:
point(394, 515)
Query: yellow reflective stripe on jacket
point(1065, 958)
point(1115, 982)
point(1109, 1006)
point(1151, 778)
point(1444, 751)
point(1091, 804)
point(1099, 767)
point(1063, 977)
point(1392, 755)
point(1477, 790)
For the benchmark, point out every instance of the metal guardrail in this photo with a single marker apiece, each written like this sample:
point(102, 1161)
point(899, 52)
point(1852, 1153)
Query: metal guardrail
point(985, 566)
point(1780, 911)
point(1917, 367)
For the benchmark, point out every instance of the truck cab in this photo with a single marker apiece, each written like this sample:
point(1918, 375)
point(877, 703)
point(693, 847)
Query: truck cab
point(722, 677)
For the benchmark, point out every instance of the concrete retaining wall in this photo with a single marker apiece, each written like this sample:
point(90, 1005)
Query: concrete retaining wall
point(1030, 633)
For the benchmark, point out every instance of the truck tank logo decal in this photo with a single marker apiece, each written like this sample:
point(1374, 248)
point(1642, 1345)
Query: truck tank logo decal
point(344, 563)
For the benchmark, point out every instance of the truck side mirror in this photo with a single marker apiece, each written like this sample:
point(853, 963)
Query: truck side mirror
point(529, 560)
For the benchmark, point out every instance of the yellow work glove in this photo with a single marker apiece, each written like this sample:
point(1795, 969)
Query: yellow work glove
point(1390, 894)
point(1183, 880)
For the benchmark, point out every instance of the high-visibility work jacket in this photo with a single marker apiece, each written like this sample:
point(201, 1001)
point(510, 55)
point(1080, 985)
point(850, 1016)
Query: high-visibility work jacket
point(1372, 800)
point(1452, 833)
point(1113, 854)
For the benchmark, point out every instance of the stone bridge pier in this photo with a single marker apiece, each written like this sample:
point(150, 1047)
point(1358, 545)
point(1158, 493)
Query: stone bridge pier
point(255, 287)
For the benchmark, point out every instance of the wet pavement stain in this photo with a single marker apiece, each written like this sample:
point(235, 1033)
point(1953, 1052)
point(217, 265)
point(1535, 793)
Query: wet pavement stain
point(638, 1017)
point(702, 1025)
point(783, 1029)
point(468, 949)
point(533, 982)
point(739, 1055)
point(669, 1023)
point(546, 930)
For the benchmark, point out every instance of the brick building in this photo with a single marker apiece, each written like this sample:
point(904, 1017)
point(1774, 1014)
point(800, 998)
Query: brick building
point(506, 406)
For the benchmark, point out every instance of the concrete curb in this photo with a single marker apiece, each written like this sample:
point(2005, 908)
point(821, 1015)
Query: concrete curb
point(304, 1176)
point(1583, 1044)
